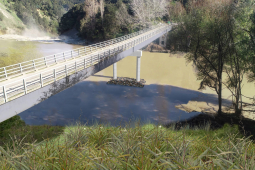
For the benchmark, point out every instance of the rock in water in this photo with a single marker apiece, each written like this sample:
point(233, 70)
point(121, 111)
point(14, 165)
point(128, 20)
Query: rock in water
point(126, 81)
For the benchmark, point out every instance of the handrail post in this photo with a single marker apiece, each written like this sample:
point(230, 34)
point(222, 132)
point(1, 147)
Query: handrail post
point(71, 54)
point(64, 56)
point(98, 57)
point(78, 52)
point(5, 73)
point(5, 95)
point(55, 58)
point(25, 86)
point(90, 48)
point(55, 75)
point(45, 61)
point(20, 67)
point(66, 70)
point(34, 64)
point(85, 49)
point(41, 79)
point(75, 67)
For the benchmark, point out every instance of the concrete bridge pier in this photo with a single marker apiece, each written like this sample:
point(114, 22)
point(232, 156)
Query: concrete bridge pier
point(138, 65)
point(115, 71)
point(138, 54)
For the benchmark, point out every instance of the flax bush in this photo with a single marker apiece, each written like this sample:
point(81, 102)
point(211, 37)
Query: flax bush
point(142, 147)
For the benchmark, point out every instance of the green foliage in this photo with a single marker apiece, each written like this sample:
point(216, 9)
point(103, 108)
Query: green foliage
point(96, 28)
point(19, 131)
point(41, 13)
point(142, 147)
point(14, 121)
point(1, 16)
point(16, 128)
point(69, 19)
point(3, 29)
point(219, 39)
point(110, 28)
point(245, 33)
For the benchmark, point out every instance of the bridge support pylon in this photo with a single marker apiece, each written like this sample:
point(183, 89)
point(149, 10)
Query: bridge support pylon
point(138, 65)
point(138, 54)
point(115, 71)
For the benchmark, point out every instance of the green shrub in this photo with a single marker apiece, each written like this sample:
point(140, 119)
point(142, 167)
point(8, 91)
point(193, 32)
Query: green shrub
point(13, 121)
point(1, 16)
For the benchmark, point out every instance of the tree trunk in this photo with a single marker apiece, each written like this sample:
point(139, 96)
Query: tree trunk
point(220, 97)
point(220, 66)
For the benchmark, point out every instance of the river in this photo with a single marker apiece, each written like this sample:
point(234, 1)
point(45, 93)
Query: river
point(170, 93)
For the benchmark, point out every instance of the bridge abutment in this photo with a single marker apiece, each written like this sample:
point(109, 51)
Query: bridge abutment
point(162, 40)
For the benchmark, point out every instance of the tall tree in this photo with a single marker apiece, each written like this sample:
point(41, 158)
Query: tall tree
point(205, 34)
point(147, 11)
point(219, 39)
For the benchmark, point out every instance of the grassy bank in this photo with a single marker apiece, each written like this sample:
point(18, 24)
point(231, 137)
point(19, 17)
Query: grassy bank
point(174, 146)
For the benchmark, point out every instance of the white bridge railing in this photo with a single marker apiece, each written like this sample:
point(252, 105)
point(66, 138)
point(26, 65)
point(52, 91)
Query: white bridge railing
point(92, 54)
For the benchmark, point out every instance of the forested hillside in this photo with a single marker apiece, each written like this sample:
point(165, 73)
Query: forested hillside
point(93, 19)
point(105, 19)
point(44, 14)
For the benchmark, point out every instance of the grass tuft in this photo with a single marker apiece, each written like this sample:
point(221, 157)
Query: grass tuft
point(146, 146)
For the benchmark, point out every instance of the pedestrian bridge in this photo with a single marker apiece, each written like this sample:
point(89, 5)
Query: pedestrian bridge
point(26, 84)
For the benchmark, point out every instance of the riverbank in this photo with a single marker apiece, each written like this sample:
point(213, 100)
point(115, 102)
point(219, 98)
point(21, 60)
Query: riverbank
point(148, 146)
point(82, 146)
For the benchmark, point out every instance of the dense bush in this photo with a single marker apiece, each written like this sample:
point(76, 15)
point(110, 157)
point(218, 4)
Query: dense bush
point(92, 25)
point(3, 29)
point(1, 16)
point(44, 14)
point(69, 19)
point(13, 121)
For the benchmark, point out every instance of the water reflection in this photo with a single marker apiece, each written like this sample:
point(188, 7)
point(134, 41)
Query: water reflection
point(96, 101)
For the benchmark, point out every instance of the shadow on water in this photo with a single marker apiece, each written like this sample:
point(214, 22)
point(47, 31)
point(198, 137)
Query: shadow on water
point(102, 76)
point(90, 102)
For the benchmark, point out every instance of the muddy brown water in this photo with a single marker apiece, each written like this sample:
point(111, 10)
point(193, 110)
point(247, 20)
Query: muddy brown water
point(170, 93)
